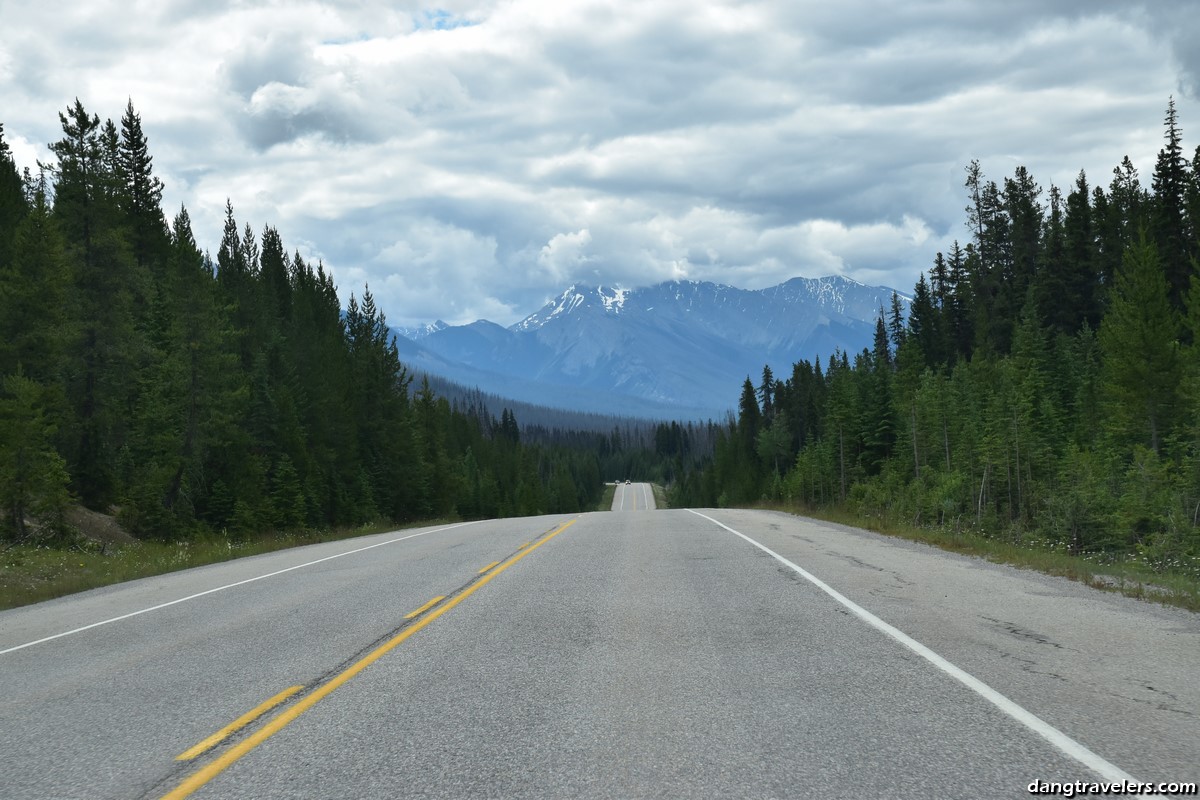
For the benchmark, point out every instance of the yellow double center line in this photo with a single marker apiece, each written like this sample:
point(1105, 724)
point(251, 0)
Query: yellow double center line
point(278, 723)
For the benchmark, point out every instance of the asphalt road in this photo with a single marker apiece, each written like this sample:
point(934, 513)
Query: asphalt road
point(663, 654)
point(633, 497)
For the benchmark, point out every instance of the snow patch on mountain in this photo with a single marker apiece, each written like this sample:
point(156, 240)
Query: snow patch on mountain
point(616, 301)
point(421, 331)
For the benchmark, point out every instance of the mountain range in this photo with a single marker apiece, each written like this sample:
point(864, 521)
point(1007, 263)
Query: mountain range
point(679, 349)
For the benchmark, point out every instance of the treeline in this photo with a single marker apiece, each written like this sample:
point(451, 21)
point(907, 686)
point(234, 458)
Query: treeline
point(139, 374)
point(1044, 385)
point(627, 447)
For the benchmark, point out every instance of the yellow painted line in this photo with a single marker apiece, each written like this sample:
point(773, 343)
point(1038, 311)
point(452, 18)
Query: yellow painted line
point(522, 547)
point(233, 754)
point(236, 725)
point(418, 612)
point(489, 566)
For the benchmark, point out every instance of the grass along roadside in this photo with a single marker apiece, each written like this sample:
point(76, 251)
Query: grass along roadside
point(606, 501)
point(31, 574)
point(1128, 578)
point(610, 493)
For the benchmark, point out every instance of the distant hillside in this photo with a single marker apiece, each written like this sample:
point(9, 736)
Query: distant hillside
point(675, 350)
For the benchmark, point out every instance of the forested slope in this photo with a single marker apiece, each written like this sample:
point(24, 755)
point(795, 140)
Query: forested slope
point(1045, 387)
point(137, 373)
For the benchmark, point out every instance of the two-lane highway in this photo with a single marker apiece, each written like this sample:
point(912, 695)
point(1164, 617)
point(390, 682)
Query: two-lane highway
point(633, 497)
point(679, 654)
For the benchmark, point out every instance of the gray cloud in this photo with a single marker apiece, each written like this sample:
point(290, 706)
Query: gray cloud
point(470, 158)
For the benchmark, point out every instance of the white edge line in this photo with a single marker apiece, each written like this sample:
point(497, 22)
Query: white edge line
point(1054, 736)
point(227, 586)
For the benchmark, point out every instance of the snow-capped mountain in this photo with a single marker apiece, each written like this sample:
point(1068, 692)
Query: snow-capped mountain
point(680, 348)
point(421, 331)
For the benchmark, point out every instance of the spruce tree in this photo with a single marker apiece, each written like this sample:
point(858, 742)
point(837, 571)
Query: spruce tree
point(1168, 214)
point(105, 280)
point(1139, 339)
point(33, 293)
point(1080, 258)
point(141, 193)
point(13, 205)
point(1050, 291)
point(33, 477)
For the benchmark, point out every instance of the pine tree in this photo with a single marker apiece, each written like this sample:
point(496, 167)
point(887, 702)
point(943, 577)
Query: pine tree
point(958, 310)
point(766, 394)
point(13, 206)
point(33, 292)
point(924, 329)
point(33, 477)
point(1050, 292)
point(878, 424)
point(897, 326)
point(105, 282)
point(1139, 339)
point(1168, 215)
point(141, 193)
point(275, 269)
point(990, 267)
point(1024, 212)
point(1081, 257)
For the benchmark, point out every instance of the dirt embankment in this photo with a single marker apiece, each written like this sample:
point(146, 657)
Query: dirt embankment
point(98, 527)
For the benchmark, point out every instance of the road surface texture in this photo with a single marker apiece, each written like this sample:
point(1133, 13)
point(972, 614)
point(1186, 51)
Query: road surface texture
point(675, 654)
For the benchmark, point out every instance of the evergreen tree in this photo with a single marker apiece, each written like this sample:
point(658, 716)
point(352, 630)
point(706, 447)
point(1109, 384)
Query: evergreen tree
point(990, 263)
point(13, 206)
point(897, 326)
point(1024, 212)
point(33, 292)
point(923, 326)
point(105, 281)
point(1081, 259)
point(275, 269)
point(1050, 291)
point(1139, 339)
point(878, 424)
point(141, 193)
point(766, 394)
point(33, 477)
point(958, 310)
point(1168, 216)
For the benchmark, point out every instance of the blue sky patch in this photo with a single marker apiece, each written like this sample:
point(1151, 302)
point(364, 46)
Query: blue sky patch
point(439, 19)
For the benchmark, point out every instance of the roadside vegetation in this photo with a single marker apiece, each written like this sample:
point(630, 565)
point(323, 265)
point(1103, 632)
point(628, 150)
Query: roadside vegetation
point(1038, 401)
point(195, 395)
point(1128, 576)
point(31, 573)
point(606, 502)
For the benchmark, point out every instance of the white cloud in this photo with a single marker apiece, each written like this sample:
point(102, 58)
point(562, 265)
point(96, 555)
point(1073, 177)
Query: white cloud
point(564, 255)
point(468, 158)
point(431, 273)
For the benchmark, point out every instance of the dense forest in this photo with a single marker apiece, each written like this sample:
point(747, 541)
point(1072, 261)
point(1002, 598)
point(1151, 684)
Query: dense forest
point(1044, 385)
point(140, 376)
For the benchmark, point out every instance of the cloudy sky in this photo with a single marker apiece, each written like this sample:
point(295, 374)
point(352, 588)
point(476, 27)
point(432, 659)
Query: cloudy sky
point(471, 159)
